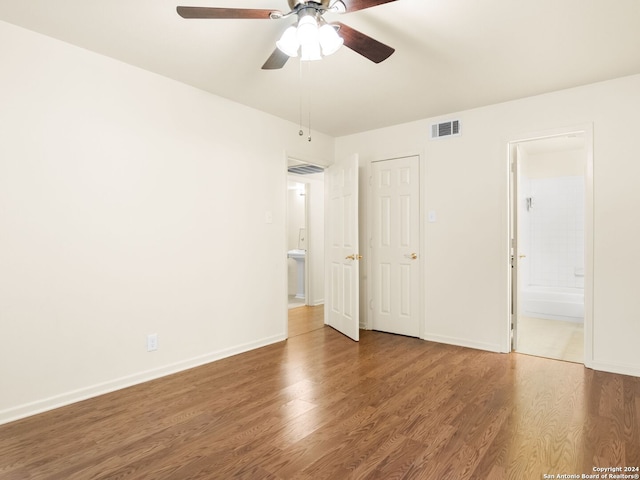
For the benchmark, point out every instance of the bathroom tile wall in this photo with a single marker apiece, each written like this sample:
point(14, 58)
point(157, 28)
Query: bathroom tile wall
point(556, 232)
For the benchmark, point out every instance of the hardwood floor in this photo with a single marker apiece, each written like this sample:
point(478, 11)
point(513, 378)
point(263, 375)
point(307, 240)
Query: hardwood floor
point(320, 406)
point(305, 319)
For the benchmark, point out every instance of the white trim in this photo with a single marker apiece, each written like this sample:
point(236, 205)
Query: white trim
point(615, 368)
point(367, 323)
point(67, 398)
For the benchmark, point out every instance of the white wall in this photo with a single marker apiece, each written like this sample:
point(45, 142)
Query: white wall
point(556, 163)
point(466, 182)
point(128, 203)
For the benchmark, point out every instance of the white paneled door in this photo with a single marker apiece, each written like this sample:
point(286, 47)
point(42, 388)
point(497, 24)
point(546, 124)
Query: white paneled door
point(395, 242)
point(342, 259)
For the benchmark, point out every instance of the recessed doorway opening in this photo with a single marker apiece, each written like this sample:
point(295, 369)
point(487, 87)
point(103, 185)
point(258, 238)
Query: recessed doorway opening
point(551, 245)
point(305, 234)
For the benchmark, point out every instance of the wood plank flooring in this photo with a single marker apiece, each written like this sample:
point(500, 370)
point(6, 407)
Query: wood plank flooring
point(305, 319)
point(320, 406)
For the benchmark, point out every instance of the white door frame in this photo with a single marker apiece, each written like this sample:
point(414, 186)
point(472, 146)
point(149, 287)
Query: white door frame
point(587, 131)
point(366, 313)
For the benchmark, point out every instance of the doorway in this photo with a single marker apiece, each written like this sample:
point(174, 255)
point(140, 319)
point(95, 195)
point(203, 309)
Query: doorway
point(551, 236)
point(305, 234)
point(296, 243)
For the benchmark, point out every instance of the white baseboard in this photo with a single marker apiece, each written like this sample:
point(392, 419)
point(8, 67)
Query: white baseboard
point(463, 342)
point(615, 368)
point(46, 404)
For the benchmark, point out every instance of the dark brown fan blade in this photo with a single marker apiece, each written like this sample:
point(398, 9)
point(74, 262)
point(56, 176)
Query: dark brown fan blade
point(354, 5)
point(213, 12)
point(363, 44)
point(277, 60)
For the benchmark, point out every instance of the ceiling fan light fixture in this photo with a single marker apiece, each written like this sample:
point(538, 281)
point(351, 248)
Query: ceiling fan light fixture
point(310, 52)
point(329, 39)
point(307, 30)
point(312, 38)
point(289, 43)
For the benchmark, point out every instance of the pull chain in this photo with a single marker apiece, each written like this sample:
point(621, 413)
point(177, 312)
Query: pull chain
point(309, 101)
point(300, 90)
point(300, 98)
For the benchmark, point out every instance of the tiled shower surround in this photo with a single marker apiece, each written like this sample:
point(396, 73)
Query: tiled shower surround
point(553, 231)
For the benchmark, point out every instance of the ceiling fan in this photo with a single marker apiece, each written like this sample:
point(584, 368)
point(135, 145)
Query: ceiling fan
point(311, 35)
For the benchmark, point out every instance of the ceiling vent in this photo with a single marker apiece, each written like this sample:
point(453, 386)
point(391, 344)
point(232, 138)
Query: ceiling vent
point(304, 169)
point(445, 129)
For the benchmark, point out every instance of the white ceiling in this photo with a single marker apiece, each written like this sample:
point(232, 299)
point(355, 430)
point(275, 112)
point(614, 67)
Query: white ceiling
point(450, 55)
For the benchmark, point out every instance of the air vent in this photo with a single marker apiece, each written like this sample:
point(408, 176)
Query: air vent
point(305, 169)
point(445, 129)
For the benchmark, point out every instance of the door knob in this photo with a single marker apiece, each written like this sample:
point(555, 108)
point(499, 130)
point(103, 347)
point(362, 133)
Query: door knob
point(412, 256)
point(355, 256)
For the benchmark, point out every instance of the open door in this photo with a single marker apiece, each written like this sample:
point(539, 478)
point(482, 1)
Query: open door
point(342, 258)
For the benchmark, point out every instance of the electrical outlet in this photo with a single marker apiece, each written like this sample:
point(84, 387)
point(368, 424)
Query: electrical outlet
point(152, 342)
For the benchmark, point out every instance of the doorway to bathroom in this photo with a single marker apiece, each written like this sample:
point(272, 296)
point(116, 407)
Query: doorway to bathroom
point(305, 234)
point(551, 232)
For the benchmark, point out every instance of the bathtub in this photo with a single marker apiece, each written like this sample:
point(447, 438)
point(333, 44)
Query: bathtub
point(553, 303)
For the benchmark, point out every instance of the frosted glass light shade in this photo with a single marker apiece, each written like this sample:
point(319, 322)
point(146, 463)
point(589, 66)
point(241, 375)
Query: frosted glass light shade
point(329, 39)
point(307, 30)
point(310, 51)
point(288, 43)
point(310, 41)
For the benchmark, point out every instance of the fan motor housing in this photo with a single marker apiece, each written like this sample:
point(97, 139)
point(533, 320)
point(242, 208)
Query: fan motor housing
point(295, 3)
